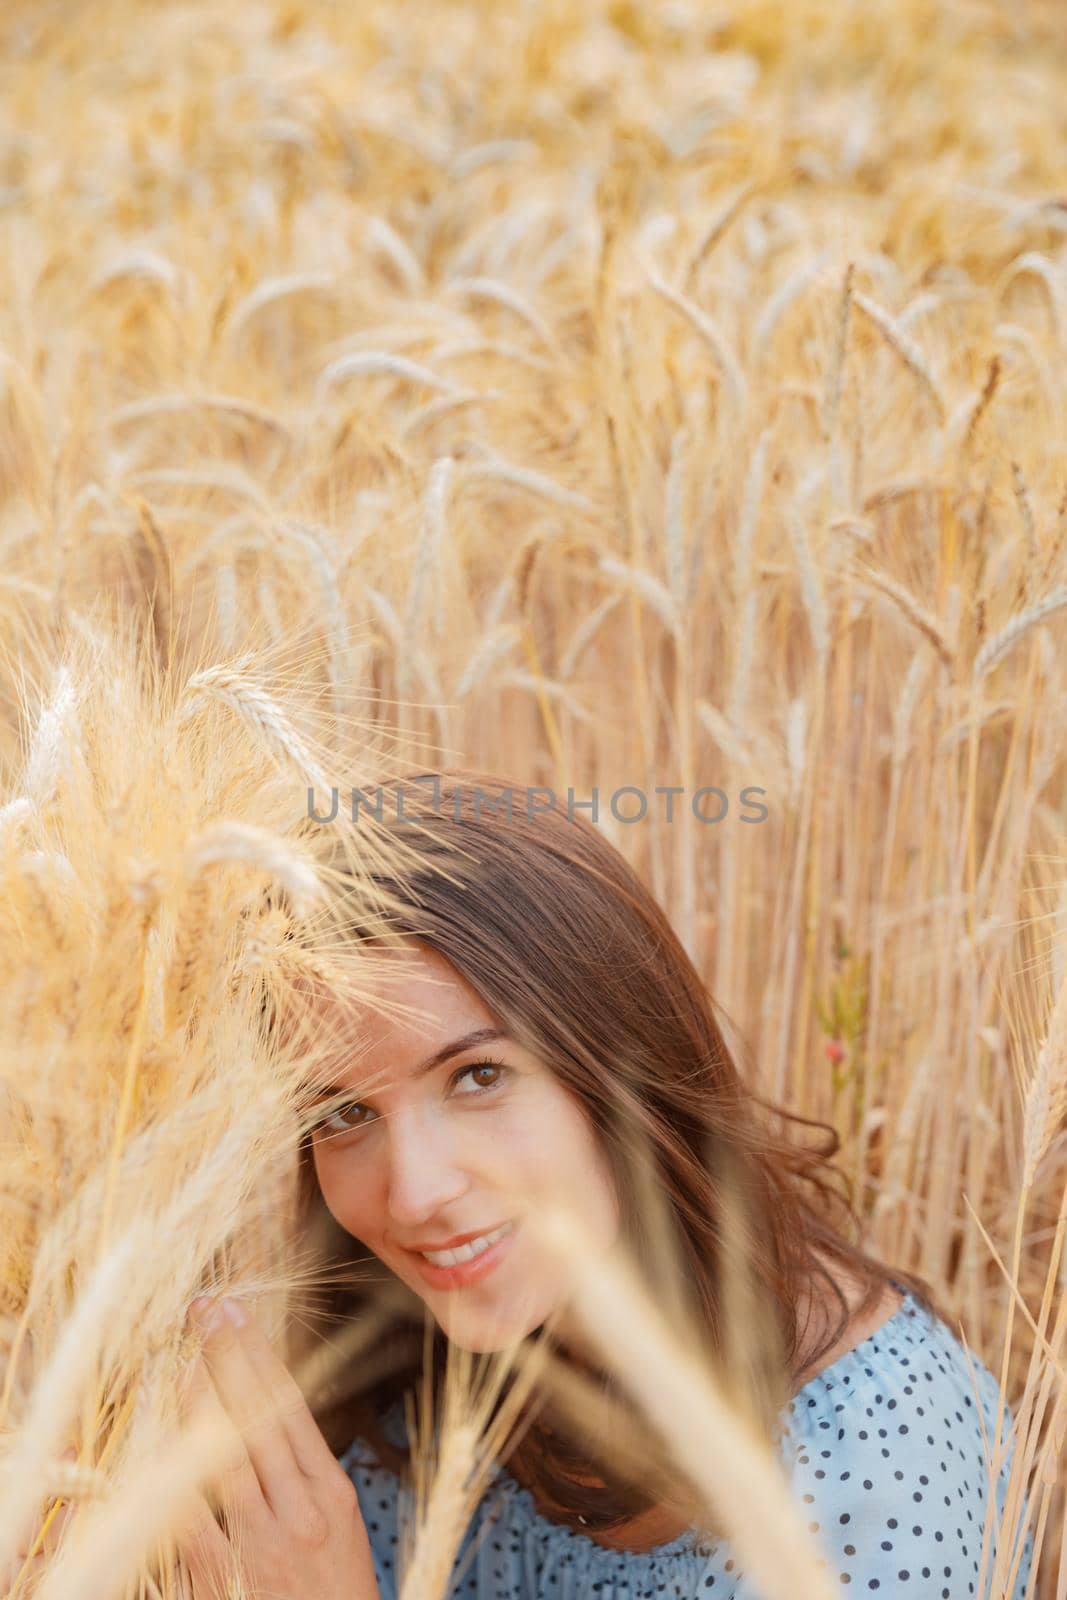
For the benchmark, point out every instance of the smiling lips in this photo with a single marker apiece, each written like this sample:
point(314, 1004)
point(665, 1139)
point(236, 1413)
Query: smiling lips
point(471, 1247)
point(474, 1258)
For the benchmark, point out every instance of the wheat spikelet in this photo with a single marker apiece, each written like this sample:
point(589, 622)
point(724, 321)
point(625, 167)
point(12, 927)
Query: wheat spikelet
point(46, 1426)
point(835, 371)
point(1040, 1119)
point(651, 590)
point(743, 751)
point(900, 488)
point(480, 345)
point(273, 290)
point(716, 230)
point(141, 266)
point(14, 814)
point(501, 294)
point(168, 405)
point(318, 544)
point(921, 306)
point(915, 612)
point(397, 336)
point(380, 363)
point(518, 678)
point(386, 613)
point(425, 416)
point(962, 425)
point(1010, 333)
point(526, 478)
point(810, 586)
point(485, 657)
point(489, 153)
point(724, 733)
point(151, 1500)
point(243, 841)
point(905, 347)
point(904, 709)
point(234, 687)
point(162, 1146)
point(689, 1409)
point(584, 635)
point(1006, 638)
point(723, 356)
point(1046, 1093)
point(220, 478)
point(382, 239)
point(780, 301)
point(1033, 263)
point(441, 1525)
point(54, 736)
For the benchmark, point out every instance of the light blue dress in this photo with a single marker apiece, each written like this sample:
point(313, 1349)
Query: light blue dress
point(884, 1446)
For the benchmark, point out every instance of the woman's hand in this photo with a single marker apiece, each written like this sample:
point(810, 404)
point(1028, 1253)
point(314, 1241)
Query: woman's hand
point(292, 1518)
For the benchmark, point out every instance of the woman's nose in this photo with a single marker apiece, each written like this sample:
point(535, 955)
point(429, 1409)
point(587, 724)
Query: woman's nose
point(423, 1175)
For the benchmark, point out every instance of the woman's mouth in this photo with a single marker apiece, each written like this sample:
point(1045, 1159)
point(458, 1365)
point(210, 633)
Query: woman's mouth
point(466, 1263)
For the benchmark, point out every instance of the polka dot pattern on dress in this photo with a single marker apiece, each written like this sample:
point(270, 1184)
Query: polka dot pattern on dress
point(883, 1449)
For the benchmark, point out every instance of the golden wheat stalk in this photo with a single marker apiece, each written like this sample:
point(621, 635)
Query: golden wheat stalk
point(725, 360)
point(909, 606)
point(905, 347)
point(693, 1416)
point(1000, 644)
point(236, 687)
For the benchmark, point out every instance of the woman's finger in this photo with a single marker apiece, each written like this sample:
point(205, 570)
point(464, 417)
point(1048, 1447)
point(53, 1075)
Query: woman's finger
point(234, 1486)
point(310, 1450)
point(254, 1409)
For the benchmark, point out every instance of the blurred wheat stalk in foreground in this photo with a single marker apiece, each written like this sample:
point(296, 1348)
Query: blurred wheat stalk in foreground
point(615, 395)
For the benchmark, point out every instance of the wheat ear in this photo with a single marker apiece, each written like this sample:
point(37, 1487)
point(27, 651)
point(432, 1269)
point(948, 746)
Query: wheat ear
point(1006, 638)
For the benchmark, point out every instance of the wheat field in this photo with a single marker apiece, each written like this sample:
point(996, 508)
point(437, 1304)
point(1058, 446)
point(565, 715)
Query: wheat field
point(628, 398)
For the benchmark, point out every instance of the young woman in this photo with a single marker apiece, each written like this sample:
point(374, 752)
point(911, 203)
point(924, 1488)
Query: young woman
point(564, 1016)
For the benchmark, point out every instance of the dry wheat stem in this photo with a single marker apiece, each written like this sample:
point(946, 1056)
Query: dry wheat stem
point(694, 1417)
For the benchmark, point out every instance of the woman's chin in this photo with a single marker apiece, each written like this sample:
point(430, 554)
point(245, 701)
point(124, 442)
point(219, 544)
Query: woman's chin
point(484, 1329)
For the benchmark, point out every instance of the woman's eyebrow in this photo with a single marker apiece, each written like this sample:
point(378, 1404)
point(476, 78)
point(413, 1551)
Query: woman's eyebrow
point(484, 1035)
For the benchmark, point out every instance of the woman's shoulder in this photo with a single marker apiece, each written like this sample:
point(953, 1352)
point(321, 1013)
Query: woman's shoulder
point(897, 1384)
point(892, 1454)
point(820, 1310)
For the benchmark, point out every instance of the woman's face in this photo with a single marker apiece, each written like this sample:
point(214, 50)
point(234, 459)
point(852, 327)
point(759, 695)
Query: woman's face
point(425, 1166)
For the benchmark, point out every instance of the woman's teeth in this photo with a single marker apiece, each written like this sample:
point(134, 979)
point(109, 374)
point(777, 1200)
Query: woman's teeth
point(465, 1252)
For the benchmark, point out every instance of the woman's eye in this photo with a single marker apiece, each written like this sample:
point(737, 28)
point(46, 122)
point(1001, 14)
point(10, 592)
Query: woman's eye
point(336, 1122)
point(480, 1076)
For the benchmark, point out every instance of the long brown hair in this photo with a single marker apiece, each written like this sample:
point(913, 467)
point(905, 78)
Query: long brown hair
point(561, 939)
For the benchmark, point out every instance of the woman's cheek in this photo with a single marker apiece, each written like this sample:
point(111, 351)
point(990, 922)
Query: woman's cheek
point(346, 1203)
